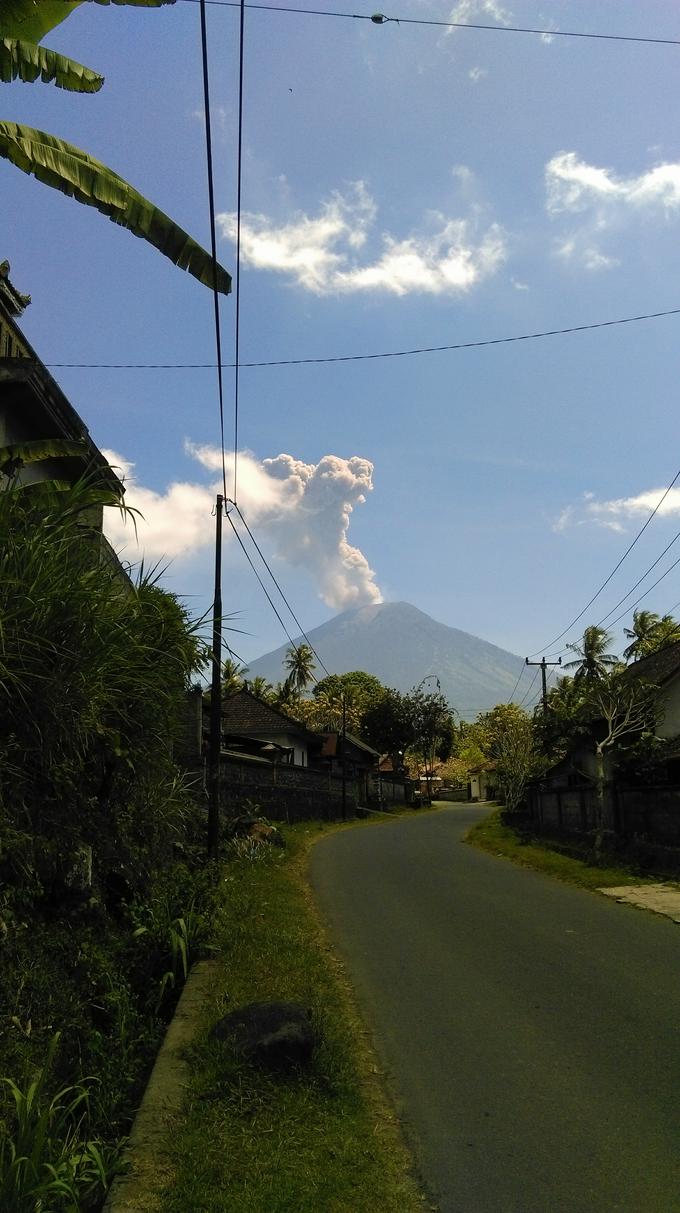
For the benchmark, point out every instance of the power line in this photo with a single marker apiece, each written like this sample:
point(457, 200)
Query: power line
point(652, 587)
point(639, 581)
point(432, 349)
point(246, 553)
point(239, 178)
point(381, 19)
point(213, 241)
point(283, 596)
point(617, 566)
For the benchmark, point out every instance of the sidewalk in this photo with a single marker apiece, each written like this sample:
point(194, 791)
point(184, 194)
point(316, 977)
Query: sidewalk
point(660, 898)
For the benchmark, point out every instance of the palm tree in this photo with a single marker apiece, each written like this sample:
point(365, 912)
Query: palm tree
point(593, 661)
point(23, 25)
point(299, 661)
point(232, 676)
point(259, 687)
point(650, 633)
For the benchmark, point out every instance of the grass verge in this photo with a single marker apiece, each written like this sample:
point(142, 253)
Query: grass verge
point(493, 836)
point(322, 1142)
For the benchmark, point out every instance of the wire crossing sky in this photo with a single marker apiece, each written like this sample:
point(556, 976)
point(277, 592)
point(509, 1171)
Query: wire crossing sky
point(422, 188)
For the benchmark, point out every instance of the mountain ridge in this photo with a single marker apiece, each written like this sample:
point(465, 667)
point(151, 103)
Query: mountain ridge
point(401, 645)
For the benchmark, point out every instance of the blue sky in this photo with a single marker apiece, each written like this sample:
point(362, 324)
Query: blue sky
point(403, 186)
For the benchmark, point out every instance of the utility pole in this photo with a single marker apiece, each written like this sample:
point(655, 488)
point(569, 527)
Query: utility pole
point(215, 773)
point(544, 664)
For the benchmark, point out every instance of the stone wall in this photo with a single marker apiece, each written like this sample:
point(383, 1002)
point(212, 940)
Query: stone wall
point(282, 793)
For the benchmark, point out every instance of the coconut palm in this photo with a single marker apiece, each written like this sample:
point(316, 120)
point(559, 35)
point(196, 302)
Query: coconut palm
point(23, 25)
point(593, 661)
point(642, 634)
point(232, 676)
point(259, 687)
point(299, 661)
point(650, 633)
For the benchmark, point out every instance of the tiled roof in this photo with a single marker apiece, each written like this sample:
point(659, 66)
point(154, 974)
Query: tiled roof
point(245, 715)
point(659, 666)
point(330, 745)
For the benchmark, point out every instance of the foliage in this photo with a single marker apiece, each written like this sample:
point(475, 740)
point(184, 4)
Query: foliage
point(260, 688)
point(299, 661)
point(388, 725)
point(592, 660)
point(649, 633)
point(23, 24)
point(47, 1161)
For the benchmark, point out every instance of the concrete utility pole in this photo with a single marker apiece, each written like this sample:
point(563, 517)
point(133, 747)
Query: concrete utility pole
point(543, 664)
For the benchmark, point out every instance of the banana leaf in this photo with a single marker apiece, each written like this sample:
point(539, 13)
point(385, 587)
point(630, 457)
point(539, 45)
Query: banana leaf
point(13, 457)
point(71, 170)
point(32, 19)
point(27, 61)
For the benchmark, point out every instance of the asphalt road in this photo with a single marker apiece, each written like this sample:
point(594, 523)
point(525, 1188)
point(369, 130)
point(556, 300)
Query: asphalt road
point(529, 1030)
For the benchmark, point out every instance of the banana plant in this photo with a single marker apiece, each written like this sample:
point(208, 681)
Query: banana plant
point(62, 165)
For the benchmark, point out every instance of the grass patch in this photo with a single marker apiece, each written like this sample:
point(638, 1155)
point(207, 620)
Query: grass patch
point(492, 835)
point(325, 1141)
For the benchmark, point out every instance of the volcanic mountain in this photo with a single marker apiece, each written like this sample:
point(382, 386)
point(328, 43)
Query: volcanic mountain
point(401, 645)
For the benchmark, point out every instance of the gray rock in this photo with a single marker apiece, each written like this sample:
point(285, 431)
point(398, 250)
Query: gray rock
point(279, 1035)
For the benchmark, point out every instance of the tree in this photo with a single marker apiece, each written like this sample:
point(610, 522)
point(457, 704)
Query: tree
point(388, 725)
point(62, 165)
point(260, 688)
point(431, 724)
point(593, 662)
point(299, 661)
point(650, 633)
point(620, 706)
point(517, 758)
point(232, 676)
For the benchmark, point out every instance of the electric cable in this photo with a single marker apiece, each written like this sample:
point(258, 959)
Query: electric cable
point(264, 588)
point(239, 178)
point(652, 587)
point(213, 241)
point(431, 349)
point(514, 689)
point(276, 583)
point(529, 688)
point(381, 19)
point(617, 566)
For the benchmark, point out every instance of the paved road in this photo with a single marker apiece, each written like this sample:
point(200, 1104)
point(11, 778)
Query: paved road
point(529, 1029)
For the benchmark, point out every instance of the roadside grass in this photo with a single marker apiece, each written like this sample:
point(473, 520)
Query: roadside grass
point(493, 836)
point(324, 1141)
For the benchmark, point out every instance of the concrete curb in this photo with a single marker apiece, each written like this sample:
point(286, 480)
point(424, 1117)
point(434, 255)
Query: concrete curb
point(660, 898)
point(149, 1152)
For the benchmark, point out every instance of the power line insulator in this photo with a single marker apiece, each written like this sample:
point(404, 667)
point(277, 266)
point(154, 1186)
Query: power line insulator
point(379, 18)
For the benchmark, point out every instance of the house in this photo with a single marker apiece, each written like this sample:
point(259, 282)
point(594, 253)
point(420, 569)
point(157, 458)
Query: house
point(483, 782)
point(251, 726)
point(33, 406)
point(634, 804)
point(344, 754)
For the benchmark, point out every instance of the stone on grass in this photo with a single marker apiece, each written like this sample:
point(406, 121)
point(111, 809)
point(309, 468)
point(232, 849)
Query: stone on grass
point(279, 1035)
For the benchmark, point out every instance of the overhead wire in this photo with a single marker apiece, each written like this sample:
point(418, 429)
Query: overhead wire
point(276, 583)
point(213, 240)
point(382, 19)
point(617, 566)
point(406, 353)
point(239, 179)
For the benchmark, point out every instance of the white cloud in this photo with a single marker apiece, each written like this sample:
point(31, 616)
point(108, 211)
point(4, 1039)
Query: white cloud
point(320, 252)
point(477, 73)
point(615, 513)
point(572, 185)
point(303, 509)
point(607, 203)
point(467, 12)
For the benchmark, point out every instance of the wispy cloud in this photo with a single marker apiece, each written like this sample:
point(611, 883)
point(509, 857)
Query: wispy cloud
point(467, 12)
point(321, 252)
point(302, 509)
point(615, 513)
point(606, 202)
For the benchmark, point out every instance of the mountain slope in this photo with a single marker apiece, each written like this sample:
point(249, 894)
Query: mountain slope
point(401, 645)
